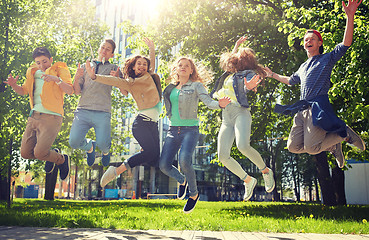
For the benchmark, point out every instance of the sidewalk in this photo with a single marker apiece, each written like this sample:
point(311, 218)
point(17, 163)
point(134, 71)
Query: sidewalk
point(14, 233)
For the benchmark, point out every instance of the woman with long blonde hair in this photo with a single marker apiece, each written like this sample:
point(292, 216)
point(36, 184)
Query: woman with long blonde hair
point(181, 100)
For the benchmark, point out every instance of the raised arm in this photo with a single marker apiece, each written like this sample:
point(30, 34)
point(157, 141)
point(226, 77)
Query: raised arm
point(282, 79)
point(90, 70)
point(238, 43)
point(77, 77)
point(151, 46)
point(106, 79)
point(13, 83)
point(350, 10)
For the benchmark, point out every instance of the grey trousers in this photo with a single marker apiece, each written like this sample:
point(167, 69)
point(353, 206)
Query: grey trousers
point(236, 125)
point(306, 138)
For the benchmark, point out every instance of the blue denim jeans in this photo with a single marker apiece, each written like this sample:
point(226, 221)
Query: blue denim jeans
point(185, 139)
point(84, 120)
point(147, 135)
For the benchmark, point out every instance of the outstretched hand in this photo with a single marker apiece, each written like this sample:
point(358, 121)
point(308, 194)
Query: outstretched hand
point(149, 42)
point(79, 72)
point(241, 40)
point(224, 101)
point(253, 83)
point(115, 73)
point(90, 70)
point(238, 43)
point(11, 80)
point(351, 7)
point(268, 72)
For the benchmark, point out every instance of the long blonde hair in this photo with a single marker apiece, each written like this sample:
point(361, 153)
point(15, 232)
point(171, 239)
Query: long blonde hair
point(199, 73)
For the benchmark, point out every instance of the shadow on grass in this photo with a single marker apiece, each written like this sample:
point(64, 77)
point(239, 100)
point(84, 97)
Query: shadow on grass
point(61, 204)
point(57, 233)
point(298, 210)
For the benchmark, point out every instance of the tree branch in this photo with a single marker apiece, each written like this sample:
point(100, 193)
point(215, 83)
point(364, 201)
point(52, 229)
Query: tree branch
point(269, 4)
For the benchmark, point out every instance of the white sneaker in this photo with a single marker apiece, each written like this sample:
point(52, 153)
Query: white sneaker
point(249, 189)
point(108, 176)
point(353, 139)
point(269, 181)
point(337, 153)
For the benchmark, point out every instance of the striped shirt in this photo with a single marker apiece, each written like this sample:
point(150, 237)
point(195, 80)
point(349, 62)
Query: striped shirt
point(314, 75)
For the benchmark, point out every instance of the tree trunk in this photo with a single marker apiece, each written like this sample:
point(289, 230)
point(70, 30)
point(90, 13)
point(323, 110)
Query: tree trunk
point(281, 195)
point(295, 177)
point(89, 185)
point(223, 187)
point(3, 185)
point(99, 188)
point(75, 183)
point(316, 189)
point(50, 183)
point(9, 173)
point(152, 179)
point(295, 186)
point(338, 176)
point(325, 180)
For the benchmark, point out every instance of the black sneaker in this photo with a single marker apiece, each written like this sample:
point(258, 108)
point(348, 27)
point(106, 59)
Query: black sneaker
point(182, 190)
point(105, 159)
point(91, 155)
point(64, 168)
point(190, 205)
point(49, 166)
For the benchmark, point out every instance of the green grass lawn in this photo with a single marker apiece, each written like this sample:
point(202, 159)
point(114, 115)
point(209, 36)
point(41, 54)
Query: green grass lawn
point(168, 215)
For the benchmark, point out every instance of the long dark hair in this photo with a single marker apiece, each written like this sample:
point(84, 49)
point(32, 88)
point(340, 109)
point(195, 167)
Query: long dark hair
point(130, 63)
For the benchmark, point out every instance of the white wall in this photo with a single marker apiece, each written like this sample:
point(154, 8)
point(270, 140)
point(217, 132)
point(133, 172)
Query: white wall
point(357, 182)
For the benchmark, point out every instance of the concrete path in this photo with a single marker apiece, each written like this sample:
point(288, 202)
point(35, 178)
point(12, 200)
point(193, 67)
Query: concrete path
point(14, 233)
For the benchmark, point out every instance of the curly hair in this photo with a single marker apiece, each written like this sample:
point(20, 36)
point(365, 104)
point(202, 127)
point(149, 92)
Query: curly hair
point(247, 61)
point(130, 63)
point(228, 62)
point(199, 73)
point(244, 59)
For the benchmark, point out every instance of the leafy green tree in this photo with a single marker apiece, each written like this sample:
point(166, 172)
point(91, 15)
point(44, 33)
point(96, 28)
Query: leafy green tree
point(205, 29)
point(68, 35)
